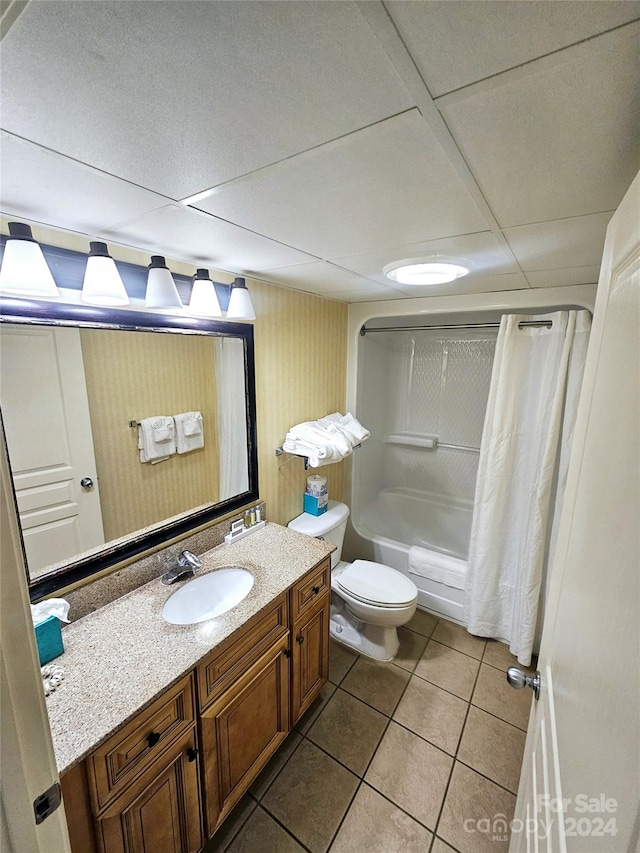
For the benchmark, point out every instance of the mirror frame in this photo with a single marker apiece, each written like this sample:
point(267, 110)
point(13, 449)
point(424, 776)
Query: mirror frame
point(32, 312)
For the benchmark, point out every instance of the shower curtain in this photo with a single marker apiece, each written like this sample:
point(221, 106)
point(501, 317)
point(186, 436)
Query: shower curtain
point(526, 439)
point(232, 423)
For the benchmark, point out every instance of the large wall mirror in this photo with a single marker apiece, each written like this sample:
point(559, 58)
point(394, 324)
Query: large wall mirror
point(76, 384)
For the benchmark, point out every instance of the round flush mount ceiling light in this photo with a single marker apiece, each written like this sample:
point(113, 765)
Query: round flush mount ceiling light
point(425, 271)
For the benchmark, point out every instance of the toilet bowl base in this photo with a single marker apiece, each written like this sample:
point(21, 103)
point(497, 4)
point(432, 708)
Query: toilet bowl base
point(374, 641)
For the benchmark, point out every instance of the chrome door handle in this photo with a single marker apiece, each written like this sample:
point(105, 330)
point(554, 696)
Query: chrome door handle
point(519, 679)
point(86, 483)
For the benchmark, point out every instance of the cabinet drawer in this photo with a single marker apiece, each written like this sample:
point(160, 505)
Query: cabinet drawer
point(233, 657)
point(138, 744)
point(310, 588)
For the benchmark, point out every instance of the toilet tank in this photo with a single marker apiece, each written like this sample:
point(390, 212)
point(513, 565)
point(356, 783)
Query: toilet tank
point(330, 526)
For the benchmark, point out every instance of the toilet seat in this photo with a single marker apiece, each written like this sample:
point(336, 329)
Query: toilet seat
point(377, 585)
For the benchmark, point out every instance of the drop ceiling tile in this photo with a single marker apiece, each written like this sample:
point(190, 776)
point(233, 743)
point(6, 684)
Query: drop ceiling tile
point(383, 185)
point(482, 249)
point(574, 242)
point(375, 293)
point(468, 284)
point(559, 142)
point(180, 96)
point(564, 277)
point(44, 187)
point(454, 44)
point(182, 233)
point(319, 277)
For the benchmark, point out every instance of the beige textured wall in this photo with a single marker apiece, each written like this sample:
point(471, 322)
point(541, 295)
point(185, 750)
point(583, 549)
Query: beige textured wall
point(135, 375)
point(301, 350)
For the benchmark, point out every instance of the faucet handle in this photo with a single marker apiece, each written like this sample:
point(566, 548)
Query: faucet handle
point(189, 559)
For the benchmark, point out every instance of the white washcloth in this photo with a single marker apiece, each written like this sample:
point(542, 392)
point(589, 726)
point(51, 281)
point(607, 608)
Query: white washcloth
point(156, 440)
point(189, 431)
point(350, 426)
point(437, 567)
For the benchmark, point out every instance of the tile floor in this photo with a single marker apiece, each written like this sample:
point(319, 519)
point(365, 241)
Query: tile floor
point(394, 757)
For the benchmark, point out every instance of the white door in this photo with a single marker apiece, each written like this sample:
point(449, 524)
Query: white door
point(46, 420)
point(580, 783)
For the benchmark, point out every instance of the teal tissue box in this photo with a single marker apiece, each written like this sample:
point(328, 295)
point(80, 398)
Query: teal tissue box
point(315, 505)
point(49, 639)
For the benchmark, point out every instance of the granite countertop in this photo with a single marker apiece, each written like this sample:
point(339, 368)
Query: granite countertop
point(120, 658)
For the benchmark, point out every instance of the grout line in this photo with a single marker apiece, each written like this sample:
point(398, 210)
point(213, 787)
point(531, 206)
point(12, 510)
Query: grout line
point(282, 826)
point(488, 778)
point(293, 752)
point(453, 649)
point(242, 825)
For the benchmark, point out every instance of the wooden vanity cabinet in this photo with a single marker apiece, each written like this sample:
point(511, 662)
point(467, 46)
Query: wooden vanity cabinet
point(184, 762)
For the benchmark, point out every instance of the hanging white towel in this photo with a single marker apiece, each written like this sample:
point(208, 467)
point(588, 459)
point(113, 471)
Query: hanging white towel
point(189, 431)
point(437, 567)
point(156, 441)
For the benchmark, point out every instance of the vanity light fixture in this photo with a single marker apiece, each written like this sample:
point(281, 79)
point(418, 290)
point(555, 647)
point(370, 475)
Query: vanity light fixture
point(102, 283)
point(25, 271)
point(240, 305)
point(161, 288)
point(204, 299)
point(424, 271)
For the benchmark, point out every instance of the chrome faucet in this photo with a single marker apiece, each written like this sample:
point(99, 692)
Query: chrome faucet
point(187, 564)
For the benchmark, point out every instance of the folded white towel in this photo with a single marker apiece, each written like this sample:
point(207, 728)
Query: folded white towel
point(189, 431)
point(156, 440)
point(326, 440)
point(437, 567)
point(349, 425)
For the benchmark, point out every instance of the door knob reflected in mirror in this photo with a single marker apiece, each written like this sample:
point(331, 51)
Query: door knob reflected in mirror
point(519, 679)
point(86, 483)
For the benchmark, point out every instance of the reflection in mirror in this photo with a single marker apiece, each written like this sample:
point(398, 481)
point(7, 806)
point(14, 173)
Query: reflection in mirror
point(72, 401)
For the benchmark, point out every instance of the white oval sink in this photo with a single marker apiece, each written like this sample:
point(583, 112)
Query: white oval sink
point(208, 596)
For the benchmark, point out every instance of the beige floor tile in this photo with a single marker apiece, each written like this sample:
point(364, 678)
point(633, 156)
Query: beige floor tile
point(378, 684)
point(374, 825)
point(348, 730)
point(440, 847)
point(493, 694)
point(341, 660)
point(458, 638)
point(275, 765)
point(497, 654)
point(422, 623)
point(432, 713)
point(410, 772)
point(308, 718)
point(310, 796)
point(493, 748)
point(470, 799)
point(449, 669)
point(261, 834)
point(229, 829)
point(412, 646)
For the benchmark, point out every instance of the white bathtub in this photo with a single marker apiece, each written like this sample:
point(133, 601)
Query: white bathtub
point(400, 518)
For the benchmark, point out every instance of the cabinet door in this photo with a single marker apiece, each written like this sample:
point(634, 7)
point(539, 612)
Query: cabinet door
point(159, 812)
point(242, 729)
point(310, 657)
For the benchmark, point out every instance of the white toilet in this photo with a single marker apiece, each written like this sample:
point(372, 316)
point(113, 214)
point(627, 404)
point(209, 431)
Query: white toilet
point(369, 600)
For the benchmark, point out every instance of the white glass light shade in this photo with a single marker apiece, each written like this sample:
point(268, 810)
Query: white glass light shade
point(24, 269)
point(204, 299)
point(240, 305)
point(161, 288)
point(424, 273)
point(102, 283)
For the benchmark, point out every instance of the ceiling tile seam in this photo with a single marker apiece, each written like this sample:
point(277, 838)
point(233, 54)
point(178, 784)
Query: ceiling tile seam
point(560, 219)
point(10, 13)
point(207, 193)
point(335, 258)
point(544, 62)
point(386, 32)
point(87, 165)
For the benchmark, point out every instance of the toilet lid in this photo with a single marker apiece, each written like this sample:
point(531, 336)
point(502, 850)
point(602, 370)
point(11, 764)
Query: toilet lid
point(373, 583)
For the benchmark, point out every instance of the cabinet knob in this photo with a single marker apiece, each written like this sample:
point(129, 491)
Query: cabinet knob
point(192, 753)
point(153, 738)
point(316, 590)
point(287, 653)
point(300, 640)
